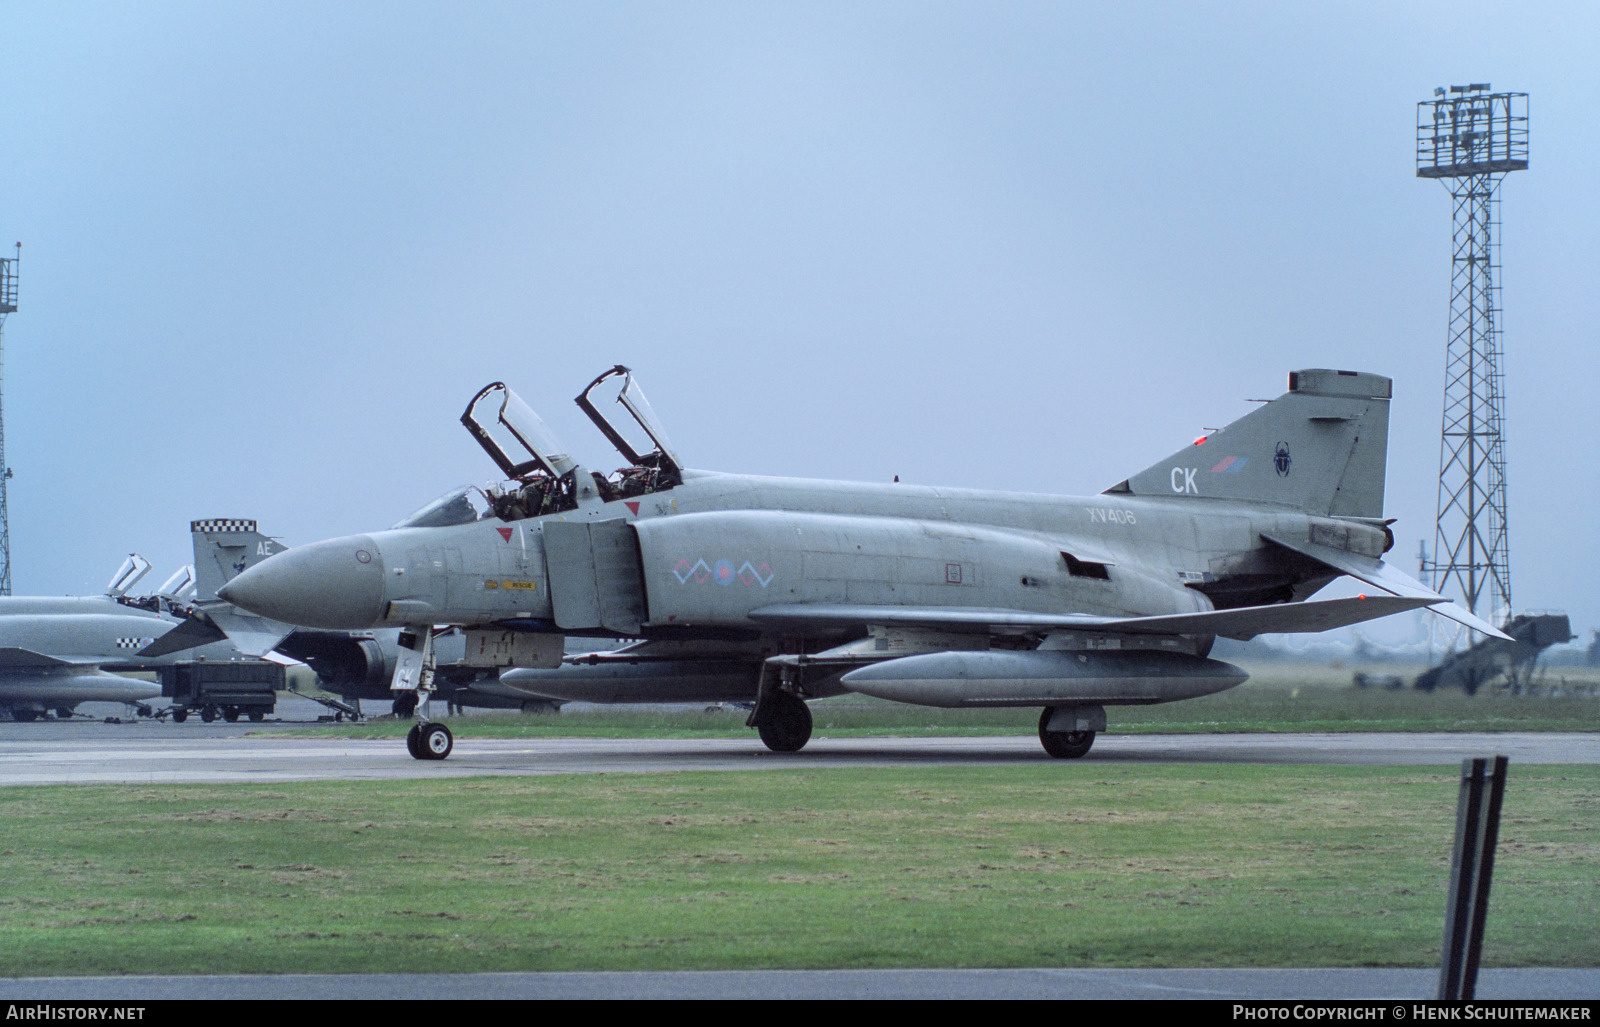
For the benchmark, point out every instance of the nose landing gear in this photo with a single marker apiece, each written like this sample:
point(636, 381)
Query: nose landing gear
point(431, 741)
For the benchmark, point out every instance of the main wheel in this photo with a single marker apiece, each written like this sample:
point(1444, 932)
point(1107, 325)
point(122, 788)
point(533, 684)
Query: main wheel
point(208, 714)
point(258, 716)
point(1063, 745)
point(785, 724)
point(65, 713)
point(435, 741)
point(180, 715)
point(230, 714)
point(411, 742)
point(23, 715)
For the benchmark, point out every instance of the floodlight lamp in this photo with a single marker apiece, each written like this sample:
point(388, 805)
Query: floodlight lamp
point(1438, 90)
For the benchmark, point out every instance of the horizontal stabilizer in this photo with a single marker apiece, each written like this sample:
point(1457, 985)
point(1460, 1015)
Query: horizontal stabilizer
point(1243, 622)
point(194, 631)
point(1380, 575)
point(251, 635)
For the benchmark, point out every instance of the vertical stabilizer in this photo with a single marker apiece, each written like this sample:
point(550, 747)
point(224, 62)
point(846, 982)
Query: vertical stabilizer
point(1320, 448)
point(225, 547)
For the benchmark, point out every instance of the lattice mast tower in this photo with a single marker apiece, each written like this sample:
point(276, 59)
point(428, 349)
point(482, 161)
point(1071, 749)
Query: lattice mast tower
point(8, 305)
point(1469, 139)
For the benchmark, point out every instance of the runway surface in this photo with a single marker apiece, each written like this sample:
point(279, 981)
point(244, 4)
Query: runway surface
point(176, 757)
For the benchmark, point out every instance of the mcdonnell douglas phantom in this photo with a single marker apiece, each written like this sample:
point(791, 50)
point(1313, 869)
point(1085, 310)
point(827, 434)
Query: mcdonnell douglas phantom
point(59, 651)
point(776, 590)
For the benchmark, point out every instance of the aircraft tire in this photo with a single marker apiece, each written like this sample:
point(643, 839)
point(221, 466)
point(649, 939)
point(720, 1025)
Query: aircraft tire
point(208, 714)
point(230, 715)
point(65, 713)
point(22, 716)
point(435, 741)
point(412, 737)
point(785, 724)
point(1063, 745)
point(179, 716)
point(257, 716)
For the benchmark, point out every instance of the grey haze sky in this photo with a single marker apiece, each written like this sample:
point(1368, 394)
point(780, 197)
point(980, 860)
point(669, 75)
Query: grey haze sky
point(271, 250)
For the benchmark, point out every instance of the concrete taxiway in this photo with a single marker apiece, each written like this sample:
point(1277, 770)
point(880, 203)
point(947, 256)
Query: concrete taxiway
point(176, 757)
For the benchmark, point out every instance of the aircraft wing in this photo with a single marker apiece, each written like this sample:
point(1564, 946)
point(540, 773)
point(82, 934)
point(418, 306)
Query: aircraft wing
point(1380, 575)
point(1243, 622)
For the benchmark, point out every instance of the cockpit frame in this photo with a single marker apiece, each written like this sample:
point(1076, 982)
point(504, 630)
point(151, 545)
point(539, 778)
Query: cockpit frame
point(654, 471)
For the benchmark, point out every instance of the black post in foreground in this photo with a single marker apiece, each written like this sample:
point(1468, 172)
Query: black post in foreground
point(1477, 830)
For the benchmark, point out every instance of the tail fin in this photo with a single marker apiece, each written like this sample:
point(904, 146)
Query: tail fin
point(1320, 448)
point(225, 547)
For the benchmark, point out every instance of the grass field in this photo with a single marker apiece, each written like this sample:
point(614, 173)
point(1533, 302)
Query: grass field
point(1279, 697)
point(1059, 865)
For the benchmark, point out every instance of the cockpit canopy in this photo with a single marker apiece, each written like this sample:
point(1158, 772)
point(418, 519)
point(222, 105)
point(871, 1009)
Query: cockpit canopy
point(654, 465)
point(458, 506)
point(516, 427)
point(128, 575)
point(543, 477)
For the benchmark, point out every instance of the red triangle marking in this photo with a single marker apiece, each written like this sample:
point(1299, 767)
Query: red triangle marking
point(634, 506)
point(505, 533)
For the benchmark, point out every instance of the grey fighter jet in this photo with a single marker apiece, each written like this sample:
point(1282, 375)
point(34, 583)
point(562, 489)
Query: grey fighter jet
point(775, 591)
point(57, 652)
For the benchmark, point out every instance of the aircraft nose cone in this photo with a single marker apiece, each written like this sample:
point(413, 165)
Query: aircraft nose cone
point(332, 584)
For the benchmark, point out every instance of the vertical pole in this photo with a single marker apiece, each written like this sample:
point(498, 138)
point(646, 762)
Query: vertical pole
point(1462, 865)
point(1488, 838)
point(1471, 873)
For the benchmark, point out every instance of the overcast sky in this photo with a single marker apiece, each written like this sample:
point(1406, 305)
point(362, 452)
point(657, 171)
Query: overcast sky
point(270, 250)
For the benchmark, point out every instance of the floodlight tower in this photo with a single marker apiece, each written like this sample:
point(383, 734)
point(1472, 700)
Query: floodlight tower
point(8, 305)
point(1469, 138)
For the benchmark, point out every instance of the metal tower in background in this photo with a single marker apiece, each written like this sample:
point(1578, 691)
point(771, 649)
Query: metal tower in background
point(1469, 138)
point(8, 305)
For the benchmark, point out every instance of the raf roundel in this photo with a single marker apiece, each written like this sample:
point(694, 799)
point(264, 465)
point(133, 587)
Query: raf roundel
point(723, 572)
point(362, 556)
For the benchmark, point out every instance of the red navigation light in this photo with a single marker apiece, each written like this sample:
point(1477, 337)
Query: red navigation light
point(1199, 440)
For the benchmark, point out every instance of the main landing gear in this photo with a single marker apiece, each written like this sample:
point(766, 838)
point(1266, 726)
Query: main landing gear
point(784, 721)
point(429, 741)
point(1063, 745)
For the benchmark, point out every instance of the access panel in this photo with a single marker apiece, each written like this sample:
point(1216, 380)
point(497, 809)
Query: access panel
point(595, 578)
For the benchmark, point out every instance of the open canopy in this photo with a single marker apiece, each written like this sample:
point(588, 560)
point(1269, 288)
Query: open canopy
point(513, 431)
point(654, 450)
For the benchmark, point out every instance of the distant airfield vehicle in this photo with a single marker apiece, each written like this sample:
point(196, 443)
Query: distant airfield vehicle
point(774, 590)
point(1511, 660)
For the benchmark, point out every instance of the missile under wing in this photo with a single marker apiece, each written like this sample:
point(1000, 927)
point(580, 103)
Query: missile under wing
point(776, 590)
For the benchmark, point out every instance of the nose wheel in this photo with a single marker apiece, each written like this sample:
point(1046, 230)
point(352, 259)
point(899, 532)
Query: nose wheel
point(431, 741)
